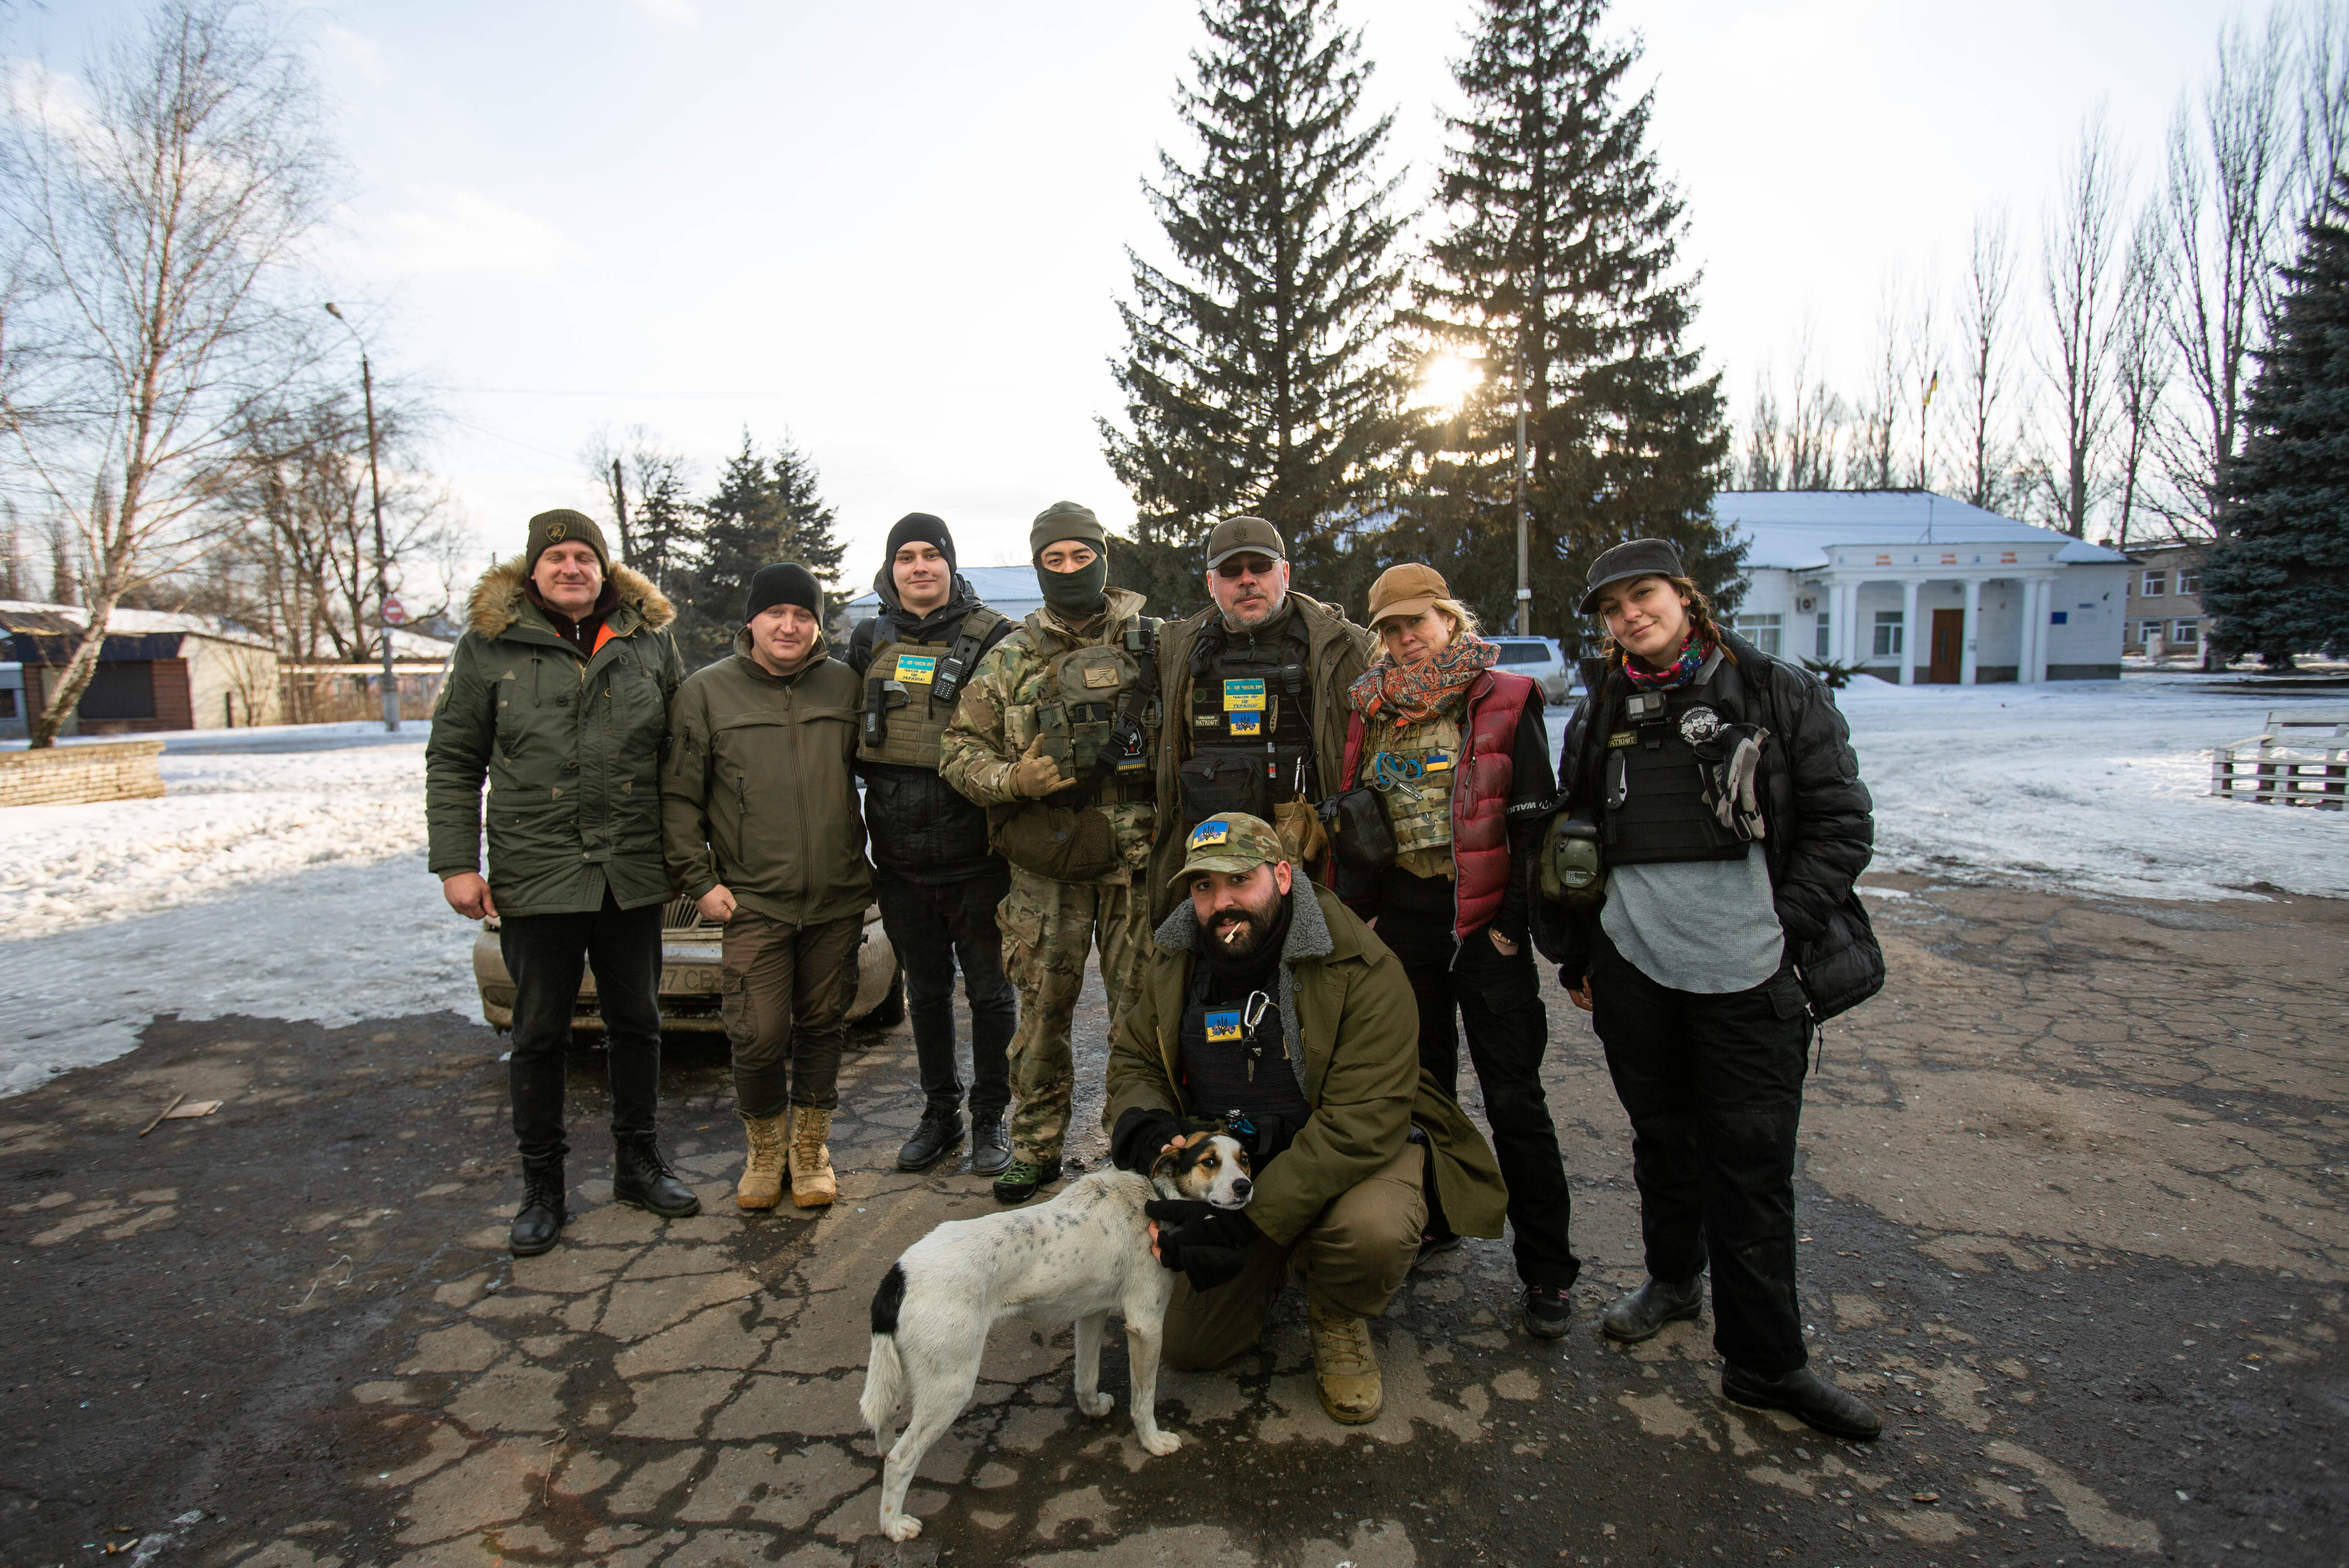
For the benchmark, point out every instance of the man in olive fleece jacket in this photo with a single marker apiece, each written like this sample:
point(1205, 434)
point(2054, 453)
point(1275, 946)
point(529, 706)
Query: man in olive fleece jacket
point(761, 829)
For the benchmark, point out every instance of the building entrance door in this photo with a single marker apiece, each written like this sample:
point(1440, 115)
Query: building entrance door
point(1948, 646)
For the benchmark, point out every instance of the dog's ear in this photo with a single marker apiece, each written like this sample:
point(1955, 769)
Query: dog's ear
point(1167, 1164)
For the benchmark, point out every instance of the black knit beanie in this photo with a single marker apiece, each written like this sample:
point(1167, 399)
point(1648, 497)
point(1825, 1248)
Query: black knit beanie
point(922, 528)
point(788, 583)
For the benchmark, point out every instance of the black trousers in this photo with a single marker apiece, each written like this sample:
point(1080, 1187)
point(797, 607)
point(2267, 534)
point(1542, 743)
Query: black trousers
point(544, 954)
point(934, 926)
point(1713, 1085)
point(1499, 1000)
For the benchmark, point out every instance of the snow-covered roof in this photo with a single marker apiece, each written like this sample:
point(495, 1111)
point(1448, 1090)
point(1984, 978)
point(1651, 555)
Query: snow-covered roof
point(999, 585)
point(29, 615)
point(1794, 530)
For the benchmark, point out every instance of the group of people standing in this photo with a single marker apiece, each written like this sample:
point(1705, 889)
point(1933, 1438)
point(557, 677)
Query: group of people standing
point(1305, 853)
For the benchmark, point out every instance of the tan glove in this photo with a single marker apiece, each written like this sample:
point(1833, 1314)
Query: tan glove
point(1299, 827)
point(1035, 775)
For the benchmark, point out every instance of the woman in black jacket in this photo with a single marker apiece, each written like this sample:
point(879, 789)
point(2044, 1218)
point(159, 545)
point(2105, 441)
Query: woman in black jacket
point(1731, 823)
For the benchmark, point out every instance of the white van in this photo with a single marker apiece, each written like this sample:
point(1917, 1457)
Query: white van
point(1543, 660)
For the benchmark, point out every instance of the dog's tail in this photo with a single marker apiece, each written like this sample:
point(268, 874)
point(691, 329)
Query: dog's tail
point(884, 1373)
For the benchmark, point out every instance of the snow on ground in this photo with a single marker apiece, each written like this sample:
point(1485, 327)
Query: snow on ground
point(284, 880)
point(2100, 785)
point(286, 884)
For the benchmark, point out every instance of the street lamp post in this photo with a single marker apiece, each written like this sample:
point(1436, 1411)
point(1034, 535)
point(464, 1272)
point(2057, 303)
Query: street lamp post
point(374, 494)
point(1524, 552)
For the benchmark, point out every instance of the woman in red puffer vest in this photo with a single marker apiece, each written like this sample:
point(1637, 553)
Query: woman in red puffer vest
point(1459, 758)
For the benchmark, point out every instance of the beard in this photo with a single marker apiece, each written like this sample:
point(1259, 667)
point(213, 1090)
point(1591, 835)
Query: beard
point(1240, 933)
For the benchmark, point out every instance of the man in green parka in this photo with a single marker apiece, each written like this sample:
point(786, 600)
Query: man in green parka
point(557, 695)
point(1267, 1005)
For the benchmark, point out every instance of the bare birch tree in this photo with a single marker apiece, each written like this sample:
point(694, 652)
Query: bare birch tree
point(2080, 254)
point(1985, 328)
point(164, 210)
point(2226, 210)
point(2141, 367)
point(1876, 434)
point(1760, 469)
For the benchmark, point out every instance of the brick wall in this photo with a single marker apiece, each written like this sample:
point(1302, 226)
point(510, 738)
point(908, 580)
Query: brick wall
point(75, 775)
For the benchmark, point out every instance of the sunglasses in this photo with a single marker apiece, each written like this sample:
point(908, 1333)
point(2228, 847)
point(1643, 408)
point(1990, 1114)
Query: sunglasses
point(1245, 565)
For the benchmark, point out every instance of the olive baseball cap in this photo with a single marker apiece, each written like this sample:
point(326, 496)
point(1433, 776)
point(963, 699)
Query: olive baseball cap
point(1409, 591)
point(1243, 535)
point(1230, 841)
point(1635, 557)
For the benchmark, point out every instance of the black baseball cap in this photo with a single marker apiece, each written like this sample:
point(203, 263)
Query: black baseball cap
point(1634, 558)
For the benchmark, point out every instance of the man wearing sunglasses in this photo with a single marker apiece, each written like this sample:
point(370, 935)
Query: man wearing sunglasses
point(1254, 699)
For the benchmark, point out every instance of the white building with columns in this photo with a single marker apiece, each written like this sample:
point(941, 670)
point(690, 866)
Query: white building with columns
point(1917, 588)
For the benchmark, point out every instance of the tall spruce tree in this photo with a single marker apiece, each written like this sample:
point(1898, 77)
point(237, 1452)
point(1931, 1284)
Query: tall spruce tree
point(2278, 582)
point(1559, 273)
point(1257, 375)
point(766, 510)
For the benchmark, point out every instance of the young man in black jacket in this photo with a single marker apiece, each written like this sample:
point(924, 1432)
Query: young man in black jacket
point(938, 884)
point(1732, 823)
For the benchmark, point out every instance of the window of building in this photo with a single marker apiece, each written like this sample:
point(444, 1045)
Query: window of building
point(7, 702)
point(124, 689)
point(2153, 580)
point(2189, 579)
point(1890, 634)
point(2188, 635)
point(1823, 643)
point(1762, 631)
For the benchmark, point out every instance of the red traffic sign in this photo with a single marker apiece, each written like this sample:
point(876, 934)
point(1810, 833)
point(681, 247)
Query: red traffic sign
point(393, 613)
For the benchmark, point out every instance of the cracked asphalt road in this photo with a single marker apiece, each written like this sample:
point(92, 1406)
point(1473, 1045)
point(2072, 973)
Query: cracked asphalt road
point(2072, 1211)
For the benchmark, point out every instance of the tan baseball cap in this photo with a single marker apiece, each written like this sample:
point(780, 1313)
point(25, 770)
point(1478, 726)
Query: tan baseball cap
point(1408, 591)
point(1243, 535)
point(1230, 841)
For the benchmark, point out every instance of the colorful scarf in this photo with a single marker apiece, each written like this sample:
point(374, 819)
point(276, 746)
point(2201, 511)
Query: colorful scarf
point(1682, 670)
point(1411, 693)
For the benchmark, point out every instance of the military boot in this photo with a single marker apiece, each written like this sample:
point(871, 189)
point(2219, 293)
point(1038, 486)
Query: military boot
point(640, 1177)
point(538, 1225)
point(1641, 1314)
point(1345, 1368)
point(762, 1186)
point(812, 1184)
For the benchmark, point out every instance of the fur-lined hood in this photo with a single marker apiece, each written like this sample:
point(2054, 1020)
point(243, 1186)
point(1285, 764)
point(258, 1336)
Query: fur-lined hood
point(499, 598)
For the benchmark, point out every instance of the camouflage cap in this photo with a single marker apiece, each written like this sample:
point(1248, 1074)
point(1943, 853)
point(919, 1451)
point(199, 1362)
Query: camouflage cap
point(1230, 841)
point(551, 528)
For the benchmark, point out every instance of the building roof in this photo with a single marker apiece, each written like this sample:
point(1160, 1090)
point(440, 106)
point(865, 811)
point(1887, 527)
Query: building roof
point(68, 620)
point(1794, 530)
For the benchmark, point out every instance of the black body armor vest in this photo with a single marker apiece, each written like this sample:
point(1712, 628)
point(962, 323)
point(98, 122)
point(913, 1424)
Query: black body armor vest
point(1249, 734)
point(1655, 782)
point(1236, 1065)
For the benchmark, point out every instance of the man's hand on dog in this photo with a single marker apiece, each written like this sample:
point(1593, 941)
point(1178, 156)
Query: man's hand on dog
point(1199, 1239)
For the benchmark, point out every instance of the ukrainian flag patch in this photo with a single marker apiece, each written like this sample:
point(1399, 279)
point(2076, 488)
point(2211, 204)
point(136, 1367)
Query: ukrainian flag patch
point(1250, 723)
point(1224, 1026)
point(918, 669)
point(1208, 833)
point(1243, 697)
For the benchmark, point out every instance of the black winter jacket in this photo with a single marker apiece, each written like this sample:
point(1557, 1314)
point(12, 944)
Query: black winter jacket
point(1821, 828)
point(923, 829)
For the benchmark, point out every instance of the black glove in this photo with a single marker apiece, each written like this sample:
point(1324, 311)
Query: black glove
point(1203, 1241)
point(1140, 1132)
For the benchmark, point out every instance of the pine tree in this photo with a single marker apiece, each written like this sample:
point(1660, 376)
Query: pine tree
point(1559, 273)
point(1257, 376)
point(2277, 581)
point(766, 510)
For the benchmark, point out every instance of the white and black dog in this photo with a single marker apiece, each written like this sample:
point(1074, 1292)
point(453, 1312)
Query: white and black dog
point(1078, 1258)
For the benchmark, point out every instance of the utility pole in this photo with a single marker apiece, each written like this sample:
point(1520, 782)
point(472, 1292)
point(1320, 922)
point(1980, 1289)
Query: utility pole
point(620, 505)
point(382, 555)
point(1524, 553)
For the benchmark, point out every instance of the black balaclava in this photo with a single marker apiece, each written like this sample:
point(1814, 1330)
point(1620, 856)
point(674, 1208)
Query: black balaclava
point(1073, 596)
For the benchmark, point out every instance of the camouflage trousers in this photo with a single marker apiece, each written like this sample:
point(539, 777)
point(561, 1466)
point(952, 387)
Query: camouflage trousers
point(1048, 928)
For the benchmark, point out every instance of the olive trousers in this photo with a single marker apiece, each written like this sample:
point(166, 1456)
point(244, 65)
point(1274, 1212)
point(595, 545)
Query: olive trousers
point(785, 992)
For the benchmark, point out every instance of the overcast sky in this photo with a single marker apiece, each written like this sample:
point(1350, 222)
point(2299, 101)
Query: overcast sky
point(896, 232)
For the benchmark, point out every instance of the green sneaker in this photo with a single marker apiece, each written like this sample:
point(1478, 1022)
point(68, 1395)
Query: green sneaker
point(1022, 1177)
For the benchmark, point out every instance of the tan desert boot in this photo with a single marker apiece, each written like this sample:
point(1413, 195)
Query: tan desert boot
point(812, 1180)
point(1345, 1368)
point(762, 1186)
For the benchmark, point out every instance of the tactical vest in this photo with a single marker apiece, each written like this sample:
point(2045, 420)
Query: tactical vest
point(928, 677)
point(1235, 1064)
point(1250, 735)
point(1653, 783)
point(1415, 768)
point(1077, 713)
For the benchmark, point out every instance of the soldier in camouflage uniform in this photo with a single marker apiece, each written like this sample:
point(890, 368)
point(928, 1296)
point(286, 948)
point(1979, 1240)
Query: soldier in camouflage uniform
point(1053, 736)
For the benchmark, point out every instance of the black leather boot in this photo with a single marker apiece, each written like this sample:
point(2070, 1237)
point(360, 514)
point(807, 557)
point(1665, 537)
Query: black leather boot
point(540, 1223)
point(990, 1145)
point(641, 1177)
point(940, 1130)
point(1805, 1396)
point(1643, 1315)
